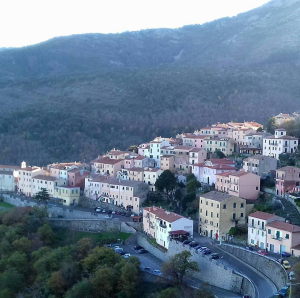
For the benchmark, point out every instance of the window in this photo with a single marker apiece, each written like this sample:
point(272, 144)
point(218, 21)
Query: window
point(256, 188)
point(263, 225)
point(287, 236)
point(258, 222)
point(252, 241)
point(242, 205)
point(224, 206)
point(252, 231)
point(206, 203)
point(234, 205)
point(206, 212)
point(211, 214)
point(262, 233)
point(269, 231)
point(258, 232)
point(242, 214)
point(252, 222)
point(212, 205)
point(233, 216)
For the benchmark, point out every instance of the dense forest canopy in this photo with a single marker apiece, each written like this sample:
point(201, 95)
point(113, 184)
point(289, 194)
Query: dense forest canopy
point(72, 98)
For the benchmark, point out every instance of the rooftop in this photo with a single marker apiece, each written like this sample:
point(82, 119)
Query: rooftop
point(258, 157)
point(140, 157)
point(216, 196)
point(108, 161)
point(188, 148)
point(164, 214)
point(262, 215)
point(44, 177)
point(287, 168)
point(281, 225)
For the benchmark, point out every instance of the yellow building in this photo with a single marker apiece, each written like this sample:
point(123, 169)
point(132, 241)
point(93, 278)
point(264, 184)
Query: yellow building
point(68, 195)
point(225, 145)
point(218, 212)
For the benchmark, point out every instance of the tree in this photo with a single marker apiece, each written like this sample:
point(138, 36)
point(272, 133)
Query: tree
point(260, 129)
point(46, 234)
point(81, 289)
point(192, 186)
point(129, 279)
point(166, 181)
point(57, 284)
point(271, 125)
point(12, 280)
point(190, 176)
point(42, 196)
point(169, 293)
point(104, 283)
point(220, 154)
point(179, 265)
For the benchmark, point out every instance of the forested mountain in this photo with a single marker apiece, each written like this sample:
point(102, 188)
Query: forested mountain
point(72, 98)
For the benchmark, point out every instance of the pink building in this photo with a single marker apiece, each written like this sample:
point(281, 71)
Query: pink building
point(241, 184)
point(197, 155)
point(287, 179)
point(193, 140)
point(77, 176)
point(283, 237)
point(107, 166)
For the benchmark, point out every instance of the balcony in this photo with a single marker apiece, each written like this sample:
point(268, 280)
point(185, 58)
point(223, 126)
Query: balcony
point(277, 238)
point(163, 226)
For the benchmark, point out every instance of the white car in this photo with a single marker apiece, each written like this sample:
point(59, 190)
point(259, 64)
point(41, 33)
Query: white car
point(108, 216)
point(98, 210)
point(292, 275)
point(117, 247)
point(114, 212)
point(126, 256)
point(157, 272)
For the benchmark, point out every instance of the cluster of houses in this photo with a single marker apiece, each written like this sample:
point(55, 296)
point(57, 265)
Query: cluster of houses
point(124, 178)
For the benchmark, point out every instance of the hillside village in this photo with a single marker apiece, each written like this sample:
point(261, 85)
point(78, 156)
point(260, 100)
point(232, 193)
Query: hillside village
point(229, 191)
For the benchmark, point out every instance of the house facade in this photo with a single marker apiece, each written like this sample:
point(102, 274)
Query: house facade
point(160, 223)
point(242, 184)
point(279, 143)
point(260, 165)
point(150, 177)
point(167, 162)
point(7, 181)
point(287, 179)
point(67, 195)
point(49, 183)
point(282, 237)
point(257, 228)
point(107, 166)
point(225, 145)
point(218, 212)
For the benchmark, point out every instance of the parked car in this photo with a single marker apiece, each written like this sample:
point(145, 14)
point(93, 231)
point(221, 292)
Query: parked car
point(113, 212)
point(148, 269)
point(262, 252)
point(126, 256)
point(286, 265)
point(202, 248)
point(198, 247)
point(103, 211)
point(206, 252)
point(214, 256)
point(283, 291)
point(186, 242)
point(120, 252)
point(123, 214)
point(194, 244)
point(292, 275)
point(157, 272)
point(117, 247)
point(118, 213)
point(98, 209)
point(108, 216)
point(109, 212)
point(142, 251)
point(285, 254)
point(138, 247)
point(249, 248)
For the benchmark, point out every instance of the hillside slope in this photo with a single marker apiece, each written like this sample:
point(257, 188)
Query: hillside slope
point(76, 97)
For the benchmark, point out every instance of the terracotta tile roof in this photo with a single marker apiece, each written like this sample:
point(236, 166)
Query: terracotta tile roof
point(221, 161)
point(166, 156)
point(134, 169)
point(281, 225)
point(284, 169)
point(262, 215)
point(30, 169)
point(163, 214)
point(196, 149)
point(116, 152)
point(44, 177)
point(152, 170)
point(108, 161)
point(297, 247)
point(140, 157)
point(226, 174)
point(195, 137)
point(240, 173)
point(183, 148)
point(217, 167)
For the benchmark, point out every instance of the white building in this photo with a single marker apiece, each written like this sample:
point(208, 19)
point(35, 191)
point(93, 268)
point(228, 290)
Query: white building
point(25, 178)
point(155, 149)
point(260, 165)
point(257, 234)
point(206, 172)
point(279, 143)
point(7, 181)
point(47, 182)
point(160, 223)
point(150, 177)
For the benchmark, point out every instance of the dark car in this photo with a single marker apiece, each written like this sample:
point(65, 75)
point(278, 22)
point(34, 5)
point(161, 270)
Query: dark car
point(206, 252)
point(285, 254)
point(198, 247)
point(123, 214)
point(186, 242)
point(138, 247)
point(214, 256)
point(120, 252)
point(194, 244)
point(142, 251)
point(249, 248)
point(108, 212)
point(118, 213)
point(148, 269)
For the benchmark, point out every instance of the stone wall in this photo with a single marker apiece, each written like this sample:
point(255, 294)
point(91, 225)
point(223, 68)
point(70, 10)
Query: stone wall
point(267, 266)
point(127, 228)
point(211, 271)
point(18, 201)
point(89, 203)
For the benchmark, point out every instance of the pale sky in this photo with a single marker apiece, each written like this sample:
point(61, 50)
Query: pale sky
point(25, 22)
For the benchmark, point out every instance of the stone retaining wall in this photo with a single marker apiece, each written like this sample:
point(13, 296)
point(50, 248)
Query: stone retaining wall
point(211, 271)
point(89, 203)
point(267, 266)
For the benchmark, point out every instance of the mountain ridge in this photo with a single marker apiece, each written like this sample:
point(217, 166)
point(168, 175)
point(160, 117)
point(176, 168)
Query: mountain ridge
point(75, 97)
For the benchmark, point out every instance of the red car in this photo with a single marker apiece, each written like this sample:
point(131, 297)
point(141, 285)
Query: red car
point(262, 252)
point(118, 213)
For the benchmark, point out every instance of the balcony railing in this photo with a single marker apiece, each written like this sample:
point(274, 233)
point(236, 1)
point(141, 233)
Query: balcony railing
point(163, 226)
point(277, 238)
